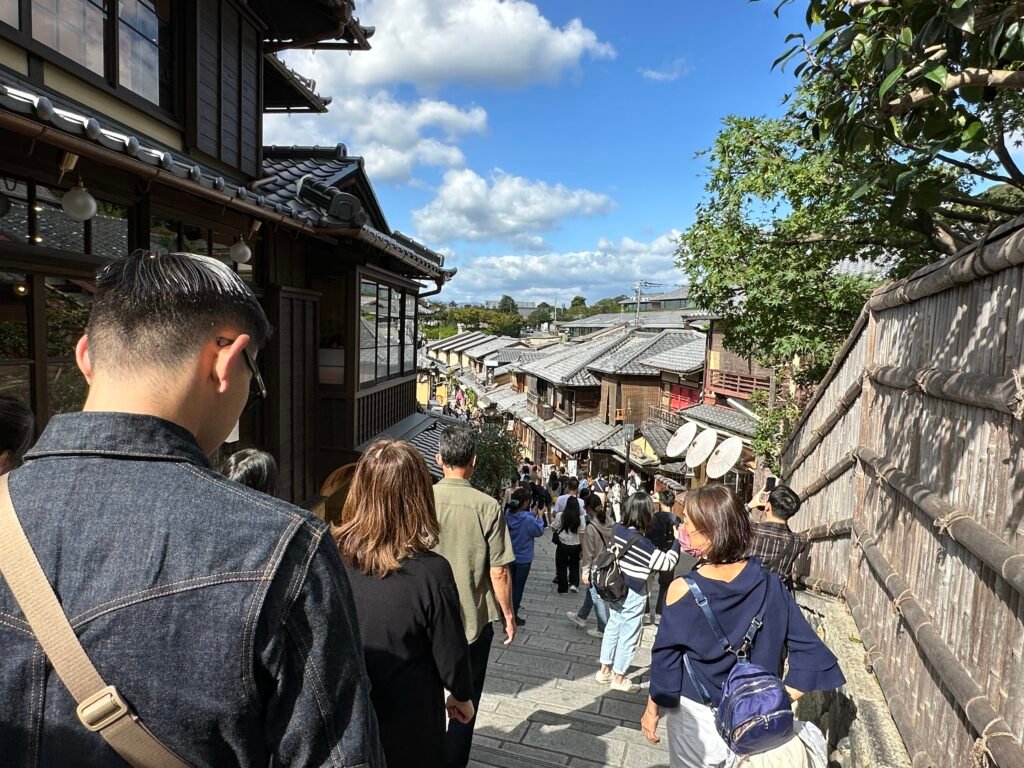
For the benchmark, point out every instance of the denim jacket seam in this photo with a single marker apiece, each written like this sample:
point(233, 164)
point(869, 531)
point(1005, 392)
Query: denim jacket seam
point(84, 618)
point(223, 484)
point(32, 708)
point(319, 693)
point(16, 624)
point(172, 587)
point(248, 654)
point(301, 574)
point(86, 452)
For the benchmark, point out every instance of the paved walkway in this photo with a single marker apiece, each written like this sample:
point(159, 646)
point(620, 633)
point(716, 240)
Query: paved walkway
point(541, 704)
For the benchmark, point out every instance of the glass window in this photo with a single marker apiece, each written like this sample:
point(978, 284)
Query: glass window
point(368, 332)
point(73, 28)
point(195, 239)
point(16, 380)
point(110, 231)
point(9, 13)
point(15, 304)
point(53, 228)
point(14, 218)
point(163, 235)
point(67, 313)
point(66, 387)
point(145, 58)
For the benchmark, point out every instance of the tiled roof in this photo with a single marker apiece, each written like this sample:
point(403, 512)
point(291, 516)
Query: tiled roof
point(425, 363)
point(657, 437)
point(440, 343)
point(315, 208)
point(628, 358)
point(580, 436)
point(611, 441)
point(721, 418)
point(659, 320)
point(566, 364)
point(445, 345)
point(493, 344)
point(284, 166)
point(469, 342)
point(683, 292)
point(683, 358)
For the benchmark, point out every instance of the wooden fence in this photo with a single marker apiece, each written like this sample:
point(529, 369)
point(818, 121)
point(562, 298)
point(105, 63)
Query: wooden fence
point(908, 459)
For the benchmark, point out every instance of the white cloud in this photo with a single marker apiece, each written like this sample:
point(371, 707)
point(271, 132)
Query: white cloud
point(675, 70)
point(392, 135)
point(482, 42)
point(608, 270)
point(471, 208)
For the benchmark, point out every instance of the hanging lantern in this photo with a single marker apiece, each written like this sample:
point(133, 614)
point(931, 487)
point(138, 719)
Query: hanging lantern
point(78, 203)
point(240, 253)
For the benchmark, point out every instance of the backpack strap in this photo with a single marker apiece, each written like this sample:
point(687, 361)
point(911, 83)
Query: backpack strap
point(716, 627)
point(704, 695)
point(100, 707)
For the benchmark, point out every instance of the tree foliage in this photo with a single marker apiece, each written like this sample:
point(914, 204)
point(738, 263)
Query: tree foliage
point(539, 317)
point(507, 306)
point(495, 460)
point(895, 152)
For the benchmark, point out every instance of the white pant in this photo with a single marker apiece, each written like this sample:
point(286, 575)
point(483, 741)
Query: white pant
point(693, 742)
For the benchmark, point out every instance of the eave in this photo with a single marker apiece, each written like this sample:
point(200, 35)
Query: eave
point(285, 90)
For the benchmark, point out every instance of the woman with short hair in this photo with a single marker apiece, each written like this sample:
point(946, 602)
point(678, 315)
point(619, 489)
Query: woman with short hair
point(638, 557)
point(407, 603)
point(253, 469)
point(716, 529)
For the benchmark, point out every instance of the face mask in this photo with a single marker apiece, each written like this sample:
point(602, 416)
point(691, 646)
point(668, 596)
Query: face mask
point(686, 546)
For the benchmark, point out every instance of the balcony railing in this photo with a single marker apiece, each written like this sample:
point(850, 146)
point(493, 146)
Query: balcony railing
point(665, 416)
point(737, 385)
point(539, 407)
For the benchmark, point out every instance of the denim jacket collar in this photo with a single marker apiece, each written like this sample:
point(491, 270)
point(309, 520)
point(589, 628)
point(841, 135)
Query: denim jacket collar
point(127, 435)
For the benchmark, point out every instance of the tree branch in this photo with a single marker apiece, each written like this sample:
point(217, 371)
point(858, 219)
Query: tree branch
point(817, 237)
point(1003, 153)
point(973, 169)
point(971, 76)
point(975, 202)
point(973, 218)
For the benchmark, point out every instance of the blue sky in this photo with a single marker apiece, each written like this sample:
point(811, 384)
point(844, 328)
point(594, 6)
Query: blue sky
point(547, 147)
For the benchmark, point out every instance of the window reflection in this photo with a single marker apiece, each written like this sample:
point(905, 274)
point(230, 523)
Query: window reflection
point(53, 228)
point(145, 58)
point(15, 304)
point(73, 28)
point(67, 313)
point(110, 231)
point(387, 328)
point(66, 387)
point(9, 13)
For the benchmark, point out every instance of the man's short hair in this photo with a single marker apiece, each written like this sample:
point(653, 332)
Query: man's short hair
point(457, 447)
point(667, 497)
point(785, 502)
point(158, 310)
point(572, 484)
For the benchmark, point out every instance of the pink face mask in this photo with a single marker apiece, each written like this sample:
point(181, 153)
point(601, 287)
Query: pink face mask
point(686, 545)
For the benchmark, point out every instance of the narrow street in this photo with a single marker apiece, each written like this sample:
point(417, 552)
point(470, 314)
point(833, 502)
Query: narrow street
point(541, 704)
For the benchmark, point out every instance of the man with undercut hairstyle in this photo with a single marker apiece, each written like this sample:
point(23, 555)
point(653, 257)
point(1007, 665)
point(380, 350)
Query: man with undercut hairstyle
point(222, 617)
point(774, 543)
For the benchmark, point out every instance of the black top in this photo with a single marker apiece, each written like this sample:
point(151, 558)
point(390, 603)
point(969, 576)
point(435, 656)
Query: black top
point(415, 648)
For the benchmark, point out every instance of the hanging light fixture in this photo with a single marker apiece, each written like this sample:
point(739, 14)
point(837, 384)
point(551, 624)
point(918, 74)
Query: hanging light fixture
point(239, 252)
point(78, 203)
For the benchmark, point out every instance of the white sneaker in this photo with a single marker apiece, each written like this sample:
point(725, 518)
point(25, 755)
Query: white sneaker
point(573, 589)
point(595, 633)
point(581, 623)
point(603, 677)
point(626, 686)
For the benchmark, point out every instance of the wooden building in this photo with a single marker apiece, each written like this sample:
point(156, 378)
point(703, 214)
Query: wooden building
point(156, 111)
point(730, 375)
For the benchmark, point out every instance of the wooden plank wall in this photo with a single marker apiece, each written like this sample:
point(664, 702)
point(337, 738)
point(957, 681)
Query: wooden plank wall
point(970, 457)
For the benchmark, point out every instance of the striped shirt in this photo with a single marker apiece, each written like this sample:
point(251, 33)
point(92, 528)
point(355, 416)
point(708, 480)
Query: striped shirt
point(777, 547)
point(642, 558)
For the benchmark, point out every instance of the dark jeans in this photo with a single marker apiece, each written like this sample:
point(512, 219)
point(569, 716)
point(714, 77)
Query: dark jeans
point(459, 739)
point(519, 572)
point(567, 566)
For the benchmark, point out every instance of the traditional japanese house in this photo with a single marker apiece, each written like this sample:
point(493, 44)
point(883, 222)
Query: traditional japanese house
point(138, 125)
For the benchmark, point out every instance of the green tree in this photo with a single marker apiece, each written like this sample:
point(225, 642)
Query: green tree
point(578, 302)
point(495, 460)
point(607, 306)
point(506, 325)
point(538, 317)
point(508, 306)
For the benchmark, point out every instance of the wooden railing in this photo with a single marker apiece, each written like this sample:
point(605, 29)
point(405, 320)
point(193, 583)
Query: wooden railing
point(736, 384)
point(666, 416)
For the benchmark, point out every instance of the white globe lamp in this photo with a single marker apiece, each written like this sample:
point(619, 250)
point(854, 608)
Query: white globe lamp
point(78, 203)
point(240, 253)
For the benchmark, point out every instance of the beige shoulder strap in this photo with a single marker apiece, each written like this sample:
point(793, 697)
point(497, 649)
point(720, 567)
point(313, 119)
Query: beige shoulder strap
point(100, 707)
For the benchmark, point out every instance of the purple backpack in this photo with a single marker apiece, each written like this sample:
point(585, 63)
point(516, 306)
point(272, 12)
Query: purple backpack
point(755, 712)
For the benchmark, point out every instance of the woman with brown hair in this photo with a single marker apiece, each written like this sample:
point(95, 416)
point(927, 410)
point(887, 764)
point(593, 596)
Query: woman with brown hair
point(407, 602)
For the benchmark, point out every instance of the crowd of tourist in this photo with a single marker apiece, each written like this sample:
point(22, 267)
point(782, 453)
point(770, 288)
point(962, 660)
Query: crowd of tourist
point(217, 625)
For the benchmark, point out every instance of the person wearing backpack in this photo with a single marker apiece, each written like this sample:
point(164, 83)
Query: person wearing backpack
point(635, 558)
point(567, 528)
point(594, 541)
point(727, 623)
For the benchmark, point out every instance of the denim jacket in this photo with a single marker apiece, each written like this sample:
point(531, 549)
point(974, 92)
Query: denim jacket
point(223, 616)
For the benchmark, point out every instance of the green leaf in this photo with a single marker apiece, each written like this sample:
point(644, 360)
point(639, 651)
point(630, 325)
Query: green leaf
point(936, 72)
point(961, 17)
point(890, 81)
point(862, 190)
point(907, 36)
point(784, 57)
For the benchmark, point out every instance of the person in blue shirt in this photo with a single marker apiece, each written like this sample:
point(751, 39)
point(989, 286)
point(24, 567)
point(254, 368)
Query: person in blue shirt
point(524, 526)
point(716, 529)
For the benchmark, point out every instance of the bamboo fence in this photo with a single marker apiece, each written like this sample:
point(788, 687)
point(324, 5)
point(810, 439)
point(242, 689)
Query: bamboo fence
point(908, 461)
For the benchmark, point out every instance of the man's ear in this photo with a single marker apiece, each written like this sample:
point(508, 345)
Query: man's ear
point(83, 358)
point(228, 362)
point(437, 458)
